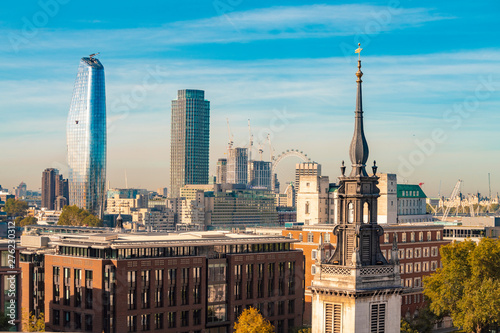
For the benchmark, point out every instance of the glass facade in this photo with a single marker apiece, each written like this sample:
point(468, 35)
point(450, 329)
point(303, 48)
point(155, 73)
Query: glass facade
point(190, 140)
point(86, 138)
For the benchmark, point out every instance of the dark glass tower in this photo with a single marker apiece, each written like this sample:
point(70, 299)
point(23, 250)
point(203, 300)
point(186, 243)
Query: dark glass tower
point(86, 138)
point(190, 138)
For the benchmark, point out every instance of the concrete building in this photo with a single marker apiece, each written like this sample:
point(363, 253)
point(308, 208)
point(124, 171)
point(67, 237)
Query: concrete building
point(305, 169)
point(193, 212)
point(189, 192)
point(125, 200)
point(155, 219)
point(388, 200)
point(20, 191)
point(188, 282)
point(221, 177)
point(190, 138)
point(412, 204)
point(237, 166)
point(313, 204)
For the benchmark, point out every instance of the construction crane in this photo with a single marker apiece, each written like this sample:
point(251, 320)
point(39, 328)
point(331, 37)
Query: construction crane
point(250, 144)
point(261, 151)
point(271, 150)
point(453, 195)
point(230, 135)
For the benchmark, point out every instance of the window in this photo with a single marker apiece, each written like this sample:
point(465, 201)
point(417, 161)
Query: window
point(291, 306)
point(55, 317)
point(159, 321)
point(429, 236)
point(434, 265)
point(333, 318)
point(306, 208)
point(313, 269)
point(171, 319)
point(409, 268)
point(131, 300)
point(418, 252)
point(409, 283)
point(132, 323)
point(438, 235)
point(409, 253)
point(310, 237)
point(403, 237)
point(425, 266)
point(314, 254)
point(184, 318)
point(301, 237)
point(418, 283)
point(196, 294)
point(386, 237)
point(421, 236)
point(281, 308)
point(401, 253)
point(417, 267)
point(350, 215)
point(434, 251)
point(412, 237)
point(145, 319)
point(377, 318)
point(327, 238)
point(426, 252)
point(197, 317)
point(89, 323)
point(401, 268)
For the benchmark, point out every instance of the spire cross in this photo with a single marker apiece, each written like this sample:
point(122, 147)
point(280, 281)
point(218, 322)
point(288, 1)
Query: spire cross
point(358, 51)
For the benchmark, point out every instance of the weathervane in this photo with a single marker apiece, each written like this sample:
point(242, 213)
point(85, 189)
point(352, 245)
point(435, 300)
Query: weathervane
point(358, 50)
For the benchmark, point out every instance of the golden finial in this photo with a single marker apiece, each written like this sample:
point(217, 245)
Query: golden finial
point(359, 73)
point(358, 51)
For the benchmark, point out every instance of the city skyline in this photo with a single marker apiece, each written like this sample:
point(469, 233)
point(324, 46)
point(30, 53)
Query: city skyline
point(288, 76)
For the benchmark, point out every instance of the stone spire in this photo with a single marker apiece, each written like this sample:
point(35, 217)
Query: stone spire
point(358, 150)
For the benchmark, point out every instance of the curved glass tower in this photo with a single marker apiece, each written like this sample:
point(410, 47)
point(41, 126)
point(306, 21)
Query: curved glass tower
point(86, 138)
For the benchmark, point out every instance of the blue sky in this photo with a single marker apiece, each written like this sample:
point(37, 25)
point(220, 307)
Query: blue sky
point(431, 82)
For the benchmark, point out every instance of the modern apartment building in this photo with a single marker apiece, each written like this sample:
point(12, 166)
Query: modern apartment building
point(190, 138)
point(188, 282)
point(237, 166)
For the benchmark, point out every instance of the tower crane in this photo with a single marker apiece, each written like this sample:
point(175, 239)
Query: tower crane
point(250, 145)
point(453, 195)
point(230, 135)
point(271, 150)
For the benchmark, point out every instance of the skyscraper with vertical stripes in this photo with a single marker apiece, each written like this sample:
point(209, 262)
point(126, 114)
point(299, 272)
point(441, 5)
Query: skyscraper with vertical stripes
point(190, 138)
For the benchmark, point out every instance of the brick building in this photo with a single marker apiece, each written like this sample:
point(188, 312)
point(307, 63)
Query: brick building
point(189, 282)
point(419, 256)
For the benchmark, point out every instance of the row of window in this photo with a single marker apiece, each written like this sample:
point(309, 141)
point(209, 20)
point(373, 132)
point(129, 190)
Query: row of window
point(412, 236)
point(164, 320)
point(79, 320)
point(418, 267)
point(411, 253)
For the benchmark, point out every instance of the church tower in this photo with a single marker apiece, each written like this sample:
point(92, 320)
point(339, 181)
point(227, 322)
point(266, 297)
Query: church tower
point(356, 290)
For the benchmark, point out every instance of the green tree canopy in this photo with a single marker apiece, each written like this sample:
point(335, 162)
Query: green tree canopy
point(22, 222)
point(72, 215)
point(15, 208)
point(251, 321)
point(468, 286)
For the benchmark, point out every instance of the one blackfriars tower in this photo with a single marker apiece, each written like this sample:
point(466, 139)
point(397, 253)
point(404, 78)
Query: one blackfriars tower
point(190, 138)
point(86, 138)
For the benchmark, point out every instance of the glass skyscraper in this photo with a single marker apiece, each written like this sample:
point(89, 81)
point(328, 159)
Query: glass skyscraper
point(86, 138)
point(190, 138)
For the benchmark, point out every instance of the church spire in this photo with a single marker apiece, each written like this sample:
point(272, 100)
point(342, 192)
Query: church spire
point(359, 147)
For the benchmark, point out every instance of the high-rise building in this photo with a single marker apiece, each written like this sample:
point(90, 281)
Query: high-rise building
point(237, 166)
point(21, 190)
point(260, 175)
point(190, 138)
point(86, 138)
point(49, 179)
point(221, 177)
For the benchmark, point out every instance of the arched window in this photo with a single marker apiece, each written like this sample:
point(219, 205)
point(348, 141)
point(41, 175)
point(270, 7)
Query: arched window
point(307, 207)
point(366, 213)
point(350, 213)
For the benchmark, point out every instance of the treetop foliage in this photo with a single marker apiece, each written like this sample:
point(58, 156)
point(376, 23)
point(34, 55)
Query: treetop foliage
point(72, 215)
point(468, 286)
point(251, 321)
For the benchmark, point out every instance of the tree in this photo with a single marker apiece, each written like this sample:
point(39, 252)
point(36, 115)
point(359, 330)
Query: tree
point(423, 322)
point(251, 321)
point(32, 323)
point(468, 285)
point(15, 208)
point(4, 322)
point(72, 215)
point(22, 222)
point(406, 327)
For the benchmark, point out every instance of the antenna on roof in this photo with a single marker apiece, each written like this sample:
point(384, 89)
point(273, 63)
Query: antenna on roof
point(93, 55)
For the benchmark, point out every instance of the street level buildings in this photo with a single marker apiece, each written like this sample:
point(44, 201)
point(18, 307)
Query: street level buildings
point(86, 138)
point(188, 282)
point(190, 137)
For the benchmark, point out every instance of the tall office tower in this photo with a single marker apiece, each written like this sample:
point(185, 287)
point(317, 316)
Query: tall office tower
point(50, 178)
point(221, 177)
point(190, 138)
point(237, 166)
point(356, 289)
point(260, 175)
point(86, 138)
point(21, 190)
